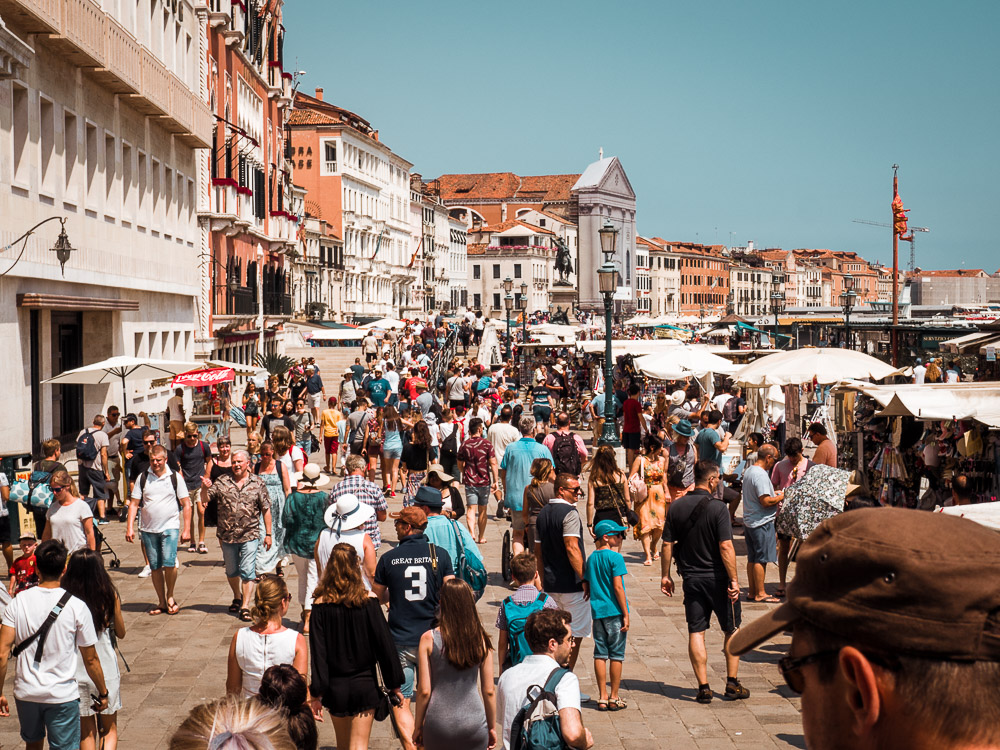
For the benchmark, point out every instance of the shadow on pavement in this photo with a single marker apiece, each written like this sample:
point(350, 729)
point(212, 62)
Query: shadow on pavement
point(793, 740)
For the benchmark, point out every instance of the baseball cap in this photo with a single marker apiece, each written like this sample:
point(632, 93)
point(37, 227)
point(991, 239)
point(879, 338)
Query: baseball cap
point(906, 581)
point(27, 535)
point(414, 516)
point(607, 526)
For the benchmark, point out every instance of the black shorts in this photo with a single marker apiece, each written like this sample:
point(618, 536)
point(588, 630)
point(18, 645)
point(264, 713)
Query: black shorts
point(702, 597)
point(93, 483)
point(5, 530)
point(632, 441)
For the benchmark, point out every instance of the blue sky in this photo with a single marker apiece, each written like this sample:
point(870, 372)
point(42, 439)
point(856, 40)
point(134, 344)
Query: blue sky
point(776, 122)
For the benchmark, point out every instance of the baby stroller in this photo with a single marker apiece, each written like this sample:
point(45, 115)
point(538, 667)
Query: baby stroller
point(101, 543)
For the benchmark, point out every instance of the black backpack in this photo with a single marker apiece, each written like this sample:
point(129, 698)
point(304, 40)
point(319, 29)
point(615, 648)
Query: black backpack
point(731, 411)
point(565, 457)
point(450, 444)
point(86, 446)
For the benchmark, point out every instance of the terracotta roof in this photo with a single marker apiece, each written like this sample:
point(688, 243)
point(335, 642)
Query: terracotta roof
point(333, 114)
point(690, 247)
point(509, 224)
point(963, 272)
point(311, 117)
point(476, 249)
point(503, 186)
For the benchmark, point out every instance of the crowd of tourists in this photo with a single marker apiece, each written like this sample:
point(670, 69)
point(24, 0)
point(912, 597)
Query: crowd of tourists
point(391, 630)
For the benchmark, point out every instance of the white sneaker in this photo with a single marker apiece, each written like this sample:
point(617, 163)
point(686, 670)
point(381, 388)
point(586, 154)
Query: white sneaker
point(145, 573)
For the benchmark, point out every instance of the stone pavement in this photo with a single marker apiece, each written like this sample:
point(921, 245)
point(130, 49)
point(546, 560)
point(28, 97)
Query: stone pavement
point(178, 662)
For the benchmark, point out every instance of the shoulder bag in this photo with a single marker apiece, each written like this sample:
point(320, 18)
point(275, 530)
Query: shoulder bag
point(637, 483)
point(628, 516)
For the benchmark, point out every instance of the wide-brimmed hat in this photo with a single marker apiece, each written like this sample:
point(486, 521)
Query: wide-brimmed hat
point(857, 576)
point(441, 474)
point(347, 513)
point(677, 398)
point(313, 476)
point(684, 428)
point(429, 497)
point(348, 371)
point(558, 368)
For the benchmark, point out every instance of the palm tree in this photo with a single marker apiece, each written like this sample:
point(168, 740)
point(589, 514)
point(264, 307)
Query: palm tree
point(275, 364)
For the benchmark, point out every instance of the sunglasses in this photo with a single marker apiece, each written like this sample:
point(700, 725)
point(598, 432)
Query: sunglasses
point(149, 442)
point(790, 668)
point(58, 487)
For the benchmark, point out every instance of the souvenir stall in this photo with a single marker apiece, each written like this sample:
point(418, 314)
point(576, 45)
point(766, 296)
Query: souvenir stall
point(909, 441)
point(210, 400)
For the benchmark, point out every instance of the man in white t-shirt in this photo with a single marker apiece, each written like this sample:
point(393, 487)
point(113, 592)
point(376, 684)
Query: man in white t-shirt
point(47, 693)
point(113, 428)
point(502, 433)
point(163, 497)
point(392, 376)
point(175, 416)
point(548, 634)
point(919, 372)
point(95, 474)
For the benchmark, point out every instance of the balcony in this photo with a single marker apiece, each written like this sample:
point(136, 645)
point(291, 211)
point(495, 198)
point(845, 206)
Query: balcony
point(219, 13)
point(34, 16)
point(123, 74)
point(241, 301)
point(244, 210)
point(84, 28)
point(238, 23)
point(155, 99)
point(277, 304)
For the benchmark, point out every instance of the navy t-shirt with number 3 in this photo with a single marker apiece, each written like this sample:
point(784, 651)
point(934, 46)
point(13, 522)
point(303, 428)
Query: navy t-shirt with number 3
point(414, 587)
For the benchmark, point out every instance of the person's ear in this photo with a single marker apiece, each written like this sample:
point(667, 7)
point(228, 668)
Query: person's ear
point(863, 691)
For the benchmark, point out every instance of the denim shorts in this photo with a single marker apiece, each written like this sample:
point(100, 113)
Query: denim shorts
point(408, 661)
point(392, 452)
point(609, 640)
point(477, 495)
point(762, 544)
point(542, 414)
point(240, 559)
point(60, 721)
point(161, 548)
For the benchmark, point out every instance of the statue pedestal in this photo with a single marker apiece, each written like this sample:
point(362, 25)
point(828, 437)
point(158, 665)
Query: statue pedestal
point(563, 296)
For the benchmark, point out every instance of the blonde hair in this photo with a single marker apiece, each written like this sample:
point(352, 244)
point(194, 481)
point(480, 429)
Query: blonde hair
point(62, 478)
point(267, 598)
point(233, 723)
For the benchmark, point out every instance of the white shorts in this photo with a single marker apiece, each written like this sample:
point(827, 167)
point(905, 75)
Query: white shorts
point(574, 603)
point(316, 400)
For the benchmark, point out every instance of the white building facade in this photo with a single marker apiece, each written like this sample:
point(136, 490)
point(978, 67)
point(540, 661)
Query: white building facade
point(751, 288)
point(514, 249)
point(664, 278)
point(100, 127)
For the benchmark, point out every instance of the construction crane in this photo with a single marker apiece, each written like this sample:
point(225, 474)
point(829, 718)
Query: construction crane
point(911, 239)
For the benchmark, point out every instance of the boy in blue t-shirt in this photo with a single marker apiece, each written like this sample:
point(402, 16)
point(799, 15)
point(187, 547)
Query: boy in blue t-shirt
point(604, 583)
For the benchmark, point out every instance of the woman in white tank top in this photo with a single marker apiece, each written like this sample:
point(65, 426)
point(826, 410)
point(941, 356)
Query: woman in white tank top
point(265, 643)
point(345, 520)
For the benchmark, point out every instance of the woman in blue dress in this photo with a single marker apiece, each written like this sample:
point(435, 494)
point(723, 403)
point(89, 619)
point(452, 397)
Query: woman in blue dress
point(276, 479)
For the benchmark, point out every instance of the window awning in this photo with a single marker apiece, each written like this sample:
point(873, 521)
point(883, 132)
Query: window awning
point(746, 327)
point(37, 301)
point(969, 343)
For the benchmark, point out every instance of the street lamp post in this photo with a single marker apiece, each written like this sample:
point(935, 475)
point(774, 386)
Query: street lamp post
point(523, 305)
point(777, 305)
point(508, 301)
point(847, 301)
point(607, 278)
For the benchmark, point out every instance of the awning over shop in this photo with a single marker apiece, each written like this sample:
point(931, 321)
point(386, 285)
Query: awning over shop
point(336, 334)
point(33, 301)
point(748, 327)
point(970, 343)
point(935, 401)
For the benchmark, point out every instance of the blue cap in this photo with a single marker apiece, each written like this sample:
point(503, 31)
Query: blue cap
point(428, 497)
point(607, 526)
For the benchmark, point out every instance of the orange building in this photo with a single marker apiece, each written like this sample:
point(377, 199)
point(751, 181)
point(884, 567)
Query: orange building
point(248, 224)
point(704, 276)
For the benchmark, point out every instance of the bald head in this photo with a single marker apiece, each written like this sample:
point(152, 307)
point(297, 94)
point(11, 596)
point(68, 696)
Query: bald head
point(767, 451)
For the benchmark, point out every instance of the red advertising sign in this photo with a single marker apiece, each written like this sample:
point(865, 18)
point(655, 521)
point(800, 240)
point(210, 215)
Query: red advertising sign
point(202, 378)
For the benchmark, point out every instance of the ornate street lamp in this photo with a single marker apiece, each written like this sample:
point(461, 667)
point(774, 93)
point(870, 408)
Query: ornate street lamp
point(607, 280)
point(847, 301)
point(508, 302)
point(62, 248)
point(777, 305)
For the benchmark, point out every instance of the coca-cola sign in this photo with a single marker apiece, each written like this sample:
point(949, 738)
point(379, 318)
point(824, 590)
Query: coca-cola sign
point(202, 378)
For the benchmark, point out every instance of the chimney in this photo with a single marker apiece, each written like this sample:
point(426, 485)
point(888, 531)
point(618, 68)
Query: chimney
point(319, 93)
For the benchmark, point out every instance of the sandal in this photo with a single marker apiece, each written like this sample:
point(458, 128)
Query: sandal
point(155, 611)
point(173, 607)
point(617, 704)
point(202, 548)
point(602, 705)
point(780, 592)
point(704, 695)
point(647, 563)
point(767, 600)
point(245, 615)
point(236, 606)
point(192, 548)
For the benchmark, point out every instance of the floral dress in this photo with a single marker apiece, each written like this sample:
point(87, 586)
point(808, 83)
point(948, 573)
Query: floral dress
point(268, 559)
point(653, 510)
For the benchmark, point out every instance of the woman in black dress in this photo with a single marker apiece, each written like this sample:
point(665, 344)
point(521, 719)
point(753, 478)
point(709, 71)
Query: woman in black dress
point(348, 637)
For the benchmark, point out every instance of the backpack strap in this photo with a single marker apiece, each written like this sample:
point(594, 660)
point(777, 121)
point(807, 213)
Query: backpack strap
point(43, 631)
point(434, 558)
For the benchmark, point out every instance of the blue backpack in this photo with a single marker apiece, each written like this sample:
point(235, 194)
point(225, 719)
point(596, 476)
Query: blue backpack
point(516, 616)
point(537, 725)
point(86, 446)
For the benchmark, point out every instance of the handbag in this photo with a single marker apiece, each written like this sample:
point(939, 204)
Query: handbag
point(628, 516)
point(637, 483)
point(34, 491)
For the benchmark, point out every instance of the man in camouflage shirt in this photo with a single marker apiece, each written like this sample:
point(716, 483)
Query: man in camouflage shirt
point(242, 501)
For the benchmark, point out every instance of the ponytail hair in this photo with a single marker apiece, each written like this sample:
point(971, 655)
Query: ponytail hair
point(270, 593)
point(283, 688)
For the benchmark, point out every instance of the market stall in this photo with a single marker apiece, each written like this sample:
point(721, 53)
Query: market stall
point(910, 441)
point(210, 399)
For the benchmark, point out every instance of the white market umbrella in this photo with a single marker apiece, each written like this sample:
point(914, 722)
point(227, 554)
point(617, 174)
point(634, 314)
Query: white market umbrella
point(681, 361)
point(123, 369)
point(798, 366)
point(386, 324)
